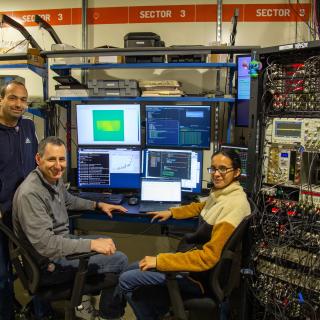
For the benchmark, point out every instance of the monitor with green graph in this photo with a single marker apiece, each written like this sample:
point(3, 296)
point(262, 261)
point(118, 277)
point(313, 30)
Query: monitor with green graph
point(108, 124)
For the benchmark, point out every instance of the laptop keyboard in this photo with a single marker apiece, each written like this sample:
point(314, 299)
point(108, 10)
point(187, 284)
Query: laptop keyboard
point(111, 198)
point(156, 206)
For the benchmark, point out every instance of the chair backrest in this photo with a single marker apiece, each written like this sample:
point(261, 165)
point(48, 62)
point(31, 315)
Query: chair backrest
point(224, 275)
point(25, 264)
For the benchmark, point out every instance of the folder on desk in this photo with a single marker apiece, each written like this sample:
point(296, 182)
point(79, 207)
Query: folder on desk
point(159, 194)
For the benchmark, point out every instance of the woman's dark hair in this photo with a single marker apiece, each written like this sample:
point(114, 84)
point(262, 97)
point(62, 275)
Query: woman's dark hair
point(232, 155)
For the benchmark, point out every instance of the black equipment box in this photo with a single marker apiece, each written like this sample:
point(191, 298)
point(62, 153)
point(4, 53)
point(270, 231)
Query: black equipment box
point(140, 40)
point(171, 58)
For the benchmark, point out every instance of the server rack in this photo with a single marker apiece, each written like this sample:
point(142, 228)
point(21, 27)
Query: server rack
point(284, 180)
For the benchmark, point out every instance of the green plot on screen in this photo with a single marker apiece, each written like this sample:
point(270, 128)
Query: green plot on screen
point(108, 125)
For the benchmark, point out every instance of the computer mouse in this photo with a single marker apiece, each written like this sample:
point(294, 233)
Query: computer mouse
point(133, 201)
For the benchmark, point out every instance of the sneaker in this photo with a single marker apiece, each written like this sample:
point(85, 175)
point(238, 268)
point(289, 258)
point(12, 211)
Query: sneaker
point(86, 310)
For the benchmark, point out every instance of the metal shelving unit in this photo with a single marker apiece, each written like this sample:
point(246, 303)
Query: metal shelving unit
point(183, 65)
point(147, 99)
point(215, 101)
point(40, 71)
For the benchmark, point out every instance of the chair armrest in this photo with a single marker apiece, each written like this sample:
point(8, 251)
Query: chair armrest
point(176, 273)
point(171, 274)
point(75, 216)
point(80, 276)
point(175, 295)
point(83, 255)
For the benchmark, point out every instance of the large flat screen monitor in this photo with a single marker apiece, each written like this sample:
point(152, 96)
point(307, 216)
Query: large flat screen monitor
point(176, 164)
point(109, 168)
point(178, 126)
point(243, 95)
point(108, 124)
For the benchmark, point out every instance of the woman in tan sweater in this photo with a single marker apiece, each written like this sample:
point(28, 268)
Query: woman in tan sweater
point(219, 215)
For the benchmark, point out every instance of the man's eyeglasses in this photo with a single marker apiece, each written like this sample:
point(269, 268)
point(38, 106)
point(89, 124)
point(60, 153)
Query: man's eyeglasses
point(221, 170)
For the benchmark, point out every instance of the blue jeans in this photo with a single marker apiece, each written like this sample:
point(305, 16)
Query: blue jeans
point(147, 293)
point(6, 281)
point(112, 303)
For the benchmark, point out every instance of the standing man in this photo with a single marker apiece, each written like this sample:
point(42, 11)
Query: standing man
point(18, 146)
point(40, 219)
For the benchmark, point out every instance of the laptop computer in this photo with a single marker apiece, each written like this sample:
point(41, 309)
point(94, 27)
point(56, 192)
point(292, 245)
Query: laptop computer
point(159, 194)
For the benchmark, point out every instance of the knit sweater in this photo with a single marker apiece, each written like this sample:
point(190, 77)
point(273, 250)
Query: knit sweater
point(219, 215)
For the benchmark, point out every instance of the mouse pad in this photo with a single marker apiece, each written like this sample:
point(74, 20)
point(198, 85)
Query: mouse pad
point(131, 209)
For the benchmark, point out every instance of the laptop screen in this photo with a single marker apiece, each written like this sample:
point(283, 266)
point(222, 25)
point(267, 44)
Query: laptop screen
point(160, 190)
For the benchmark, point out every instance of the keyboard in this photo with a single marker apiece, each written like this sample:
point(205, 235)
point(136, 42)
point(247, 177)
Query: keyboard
point(156, 206)
point(112, 198)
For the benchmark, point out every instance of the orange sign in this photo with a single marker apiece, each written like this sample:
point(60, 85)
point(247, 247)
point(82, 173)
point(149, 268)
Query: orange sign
point(169, 14)
point(206, 12)
point(52, 16)
point(175, 13)
point(107, 15)
point(276, 12)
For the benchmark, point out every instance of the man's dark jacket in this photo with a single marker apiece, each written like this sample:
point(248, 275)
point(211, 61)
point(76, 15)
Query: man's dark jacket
point(18, 147)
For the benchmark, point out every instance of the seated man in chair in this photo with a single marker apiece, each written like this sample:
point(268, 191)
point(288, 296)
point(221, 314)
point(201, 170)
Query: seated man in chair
point(40, 219)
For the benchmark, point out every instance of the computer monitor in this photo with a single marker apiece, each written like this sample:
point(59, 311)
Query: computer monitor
point(176, 164)
point(243, 154)
point(186, 126)
point(108, 124)
point(243, 95)
point(109, 168)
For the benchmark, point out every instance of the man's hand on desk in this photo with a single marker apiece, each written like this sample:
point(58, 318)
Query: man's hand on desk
point(148, 262)
point(160, 215)
point(108, 208)
point(104, 246)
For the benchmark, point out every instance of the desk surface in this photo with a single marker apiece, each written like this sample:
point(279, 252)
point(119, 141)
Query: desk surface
point(135, 216)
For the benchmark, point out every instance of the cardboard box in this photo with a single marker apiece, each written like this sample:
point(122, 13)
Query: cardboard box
point(32, 56)
point(66, 59)
point(218, 57)
point(108, 59)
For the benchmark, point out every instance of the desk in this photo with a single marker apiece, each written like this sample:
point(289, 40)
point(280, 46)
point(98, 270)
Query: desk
point(122, 222)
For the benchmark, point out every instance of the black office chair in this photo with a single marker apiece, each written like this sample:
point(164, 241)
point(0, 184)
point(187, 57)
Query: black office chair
point(223, 277)
point(28, 270)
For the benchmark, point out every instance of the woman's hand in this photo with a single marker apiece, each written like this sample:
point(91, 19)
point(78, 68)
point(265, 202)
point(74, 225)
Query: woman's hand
point(147, 263)
point(108, 208)
point(160, 215)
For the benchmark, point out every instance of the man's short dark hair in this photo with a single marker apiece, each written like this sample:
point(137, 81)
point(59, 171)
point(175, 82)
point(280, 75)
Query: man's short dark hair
point(3, 89)
point(52, 140)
